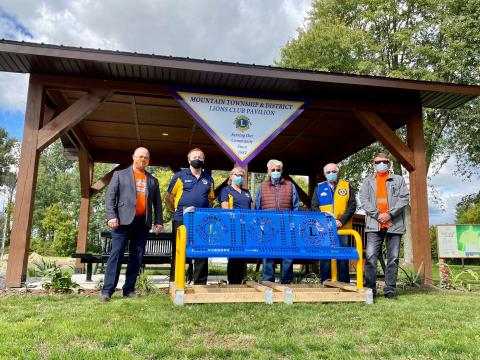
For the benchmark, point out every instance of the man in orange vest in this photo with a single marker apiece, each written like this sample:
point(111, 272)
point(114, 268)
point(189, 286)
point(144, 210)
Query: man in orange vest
point(383, 196)
point(335, 196)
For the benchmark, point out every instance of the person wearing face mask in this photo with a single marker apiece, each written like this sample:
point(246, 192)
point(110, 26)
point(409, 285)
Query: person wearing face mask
point(335, 196)
point(383, 196)
point(233, 196)
point(190, 187)
point(131, 194)
point(277, 193)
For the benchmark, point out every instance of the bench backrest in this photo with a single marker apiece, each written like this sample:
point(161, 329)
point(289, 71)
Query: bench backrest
point(160, 244)
point(244, 233)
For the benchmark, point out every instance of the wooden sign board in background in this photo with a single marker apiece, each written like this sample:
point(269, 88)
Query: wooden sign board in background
point(458, 241)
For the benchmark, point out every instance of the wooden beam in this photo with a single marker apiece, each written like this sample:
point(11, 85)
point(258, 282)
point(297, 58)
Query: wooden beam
point(135, 120)
point(300, 134)
point(422, 257)
point(190, 138)
point(27, 177)
point(86, 175)
point(70, 117)
point(105, 180)
point(378, 128)
point(220, 187)
point(301, 194)
point(82, 84)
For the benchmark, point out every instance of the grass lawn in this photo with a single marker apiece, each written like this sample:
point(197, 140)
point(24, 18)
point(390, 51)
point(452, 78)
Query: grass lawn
point(418, 325)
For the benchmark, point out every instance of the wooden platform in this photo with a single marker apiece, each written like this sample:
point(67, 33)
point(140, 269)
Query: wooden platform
point(268, 292)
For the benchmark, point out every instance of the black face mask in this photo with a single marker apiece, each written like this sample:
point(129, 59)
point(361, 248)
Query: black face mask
point(196, 164)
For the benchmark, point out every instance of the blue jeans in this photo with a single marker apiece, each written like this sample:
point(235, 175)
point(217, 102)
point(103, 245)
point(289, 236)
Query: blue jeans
point(269, 270)
point(343, 269)
point(137, 232)
point(374, 246)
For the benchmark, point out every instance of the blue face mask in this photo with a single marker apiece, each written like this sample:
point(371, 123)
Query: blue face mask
point(332, 177)
point(276, 175)
point(382, 167)
point(238, 180)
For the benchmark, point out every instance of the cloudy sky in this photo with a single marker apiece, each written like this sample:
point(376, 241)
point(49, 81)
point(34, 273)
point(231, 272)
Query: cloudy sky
point(247, 31)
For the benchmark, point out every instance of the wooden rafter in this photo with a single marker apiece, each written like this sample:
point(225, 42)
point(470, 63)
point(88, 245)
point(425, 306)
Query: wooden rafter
point(135, 120)
point(378, 128)
point(70, 117)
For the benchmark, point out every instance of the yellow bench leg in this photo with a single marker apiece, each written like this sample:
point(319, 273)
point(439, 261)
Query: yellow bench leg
point(180, 257)
point(359, 247)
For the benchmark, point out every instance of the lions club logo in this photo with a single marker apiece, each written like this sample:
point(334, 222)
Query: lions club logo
point(242, 123)
point(311, 231)
point(212, 229)
point(262, 230)
point(342, 192)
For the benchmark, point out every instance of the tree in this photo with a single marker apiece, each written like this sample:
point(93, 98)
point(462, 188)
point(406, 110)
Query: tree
point(9, 149)
point(421, 40)
point(468, 209)
point(7, 156)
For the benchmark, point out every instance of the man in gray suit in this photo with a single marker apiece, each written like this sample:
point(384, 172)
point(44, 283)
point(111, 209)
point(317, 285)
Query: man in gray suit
point(131, 194)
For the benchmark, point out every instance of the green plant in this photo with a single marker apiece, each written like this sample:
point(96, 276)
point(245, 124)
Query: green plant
point(42, 266)
point(461, 280)
point(252, 274)
point(412, 278)
point(59, 280)
point(99, 285)
point(145, 285)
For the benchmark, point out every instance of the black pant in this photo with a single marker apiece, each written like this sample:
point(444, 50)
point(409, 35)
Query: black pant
point(236, 269)
point(200, 267)
point(137, 233)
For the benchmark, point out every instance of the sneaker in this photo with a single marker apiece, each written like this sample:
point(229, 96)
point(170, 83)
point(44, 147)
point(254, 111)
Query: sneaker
point(105, 297)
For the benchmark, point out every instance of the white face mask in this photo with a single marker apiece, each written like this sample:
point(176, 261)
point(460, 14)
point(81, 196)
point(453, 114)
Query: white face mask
point(381, 168)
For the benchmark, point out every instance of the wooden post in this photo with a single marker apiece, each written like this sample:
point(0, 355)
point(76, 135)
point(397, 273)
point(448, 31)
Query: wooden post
point(27, 178)
point(86, 176)
point(422, 256)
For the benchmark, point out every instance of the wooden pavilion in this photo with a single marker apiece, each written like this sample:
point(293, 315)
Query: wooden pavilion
point(103, 104)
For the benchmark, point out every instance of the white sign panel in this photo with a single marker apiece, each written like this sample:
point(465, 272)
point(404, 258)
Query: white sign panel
point(241, 126)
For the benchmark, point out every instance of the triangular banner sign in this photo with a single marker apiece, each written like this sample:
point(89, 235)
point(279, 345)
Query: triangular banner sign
point(242, 126)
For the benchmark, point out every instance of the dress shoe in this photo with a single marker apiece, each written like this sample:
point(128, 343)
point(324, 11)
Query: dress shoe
point(131, 295)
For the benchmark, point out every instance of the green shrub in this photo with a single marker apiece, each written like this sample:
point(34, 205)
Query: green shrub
point(145, 285)
point(54, 277)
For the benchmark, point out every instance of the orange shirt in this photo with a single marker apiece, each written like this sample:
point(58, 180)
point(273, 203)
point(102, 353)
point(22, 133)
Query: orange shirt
point(382, 200)
point(141, 184)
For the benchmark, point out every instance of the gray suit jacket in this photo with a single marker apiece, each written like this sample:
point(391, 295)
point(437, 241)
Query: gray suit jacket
point(121, 198)
point(397, 198)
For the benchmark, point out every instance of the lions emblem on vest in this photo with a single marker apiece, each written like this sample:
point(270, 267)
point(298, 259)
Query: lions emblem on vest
point(212, 229)
point(242, 123)
point(342, 192)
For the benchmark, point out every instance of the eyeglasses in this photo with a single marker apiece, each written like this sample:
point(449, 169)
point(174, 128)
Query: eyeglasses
point(382, 162)
point(276, 170)
point(330, 172)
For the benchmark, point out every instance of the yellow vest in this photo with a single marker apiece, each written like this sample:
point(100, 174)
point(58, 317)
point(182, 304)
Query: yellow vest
point(340, 202)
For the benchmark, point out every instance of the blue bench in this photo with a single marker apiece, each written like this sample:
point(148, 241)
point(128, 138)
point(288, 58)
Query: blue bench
point(239, 233)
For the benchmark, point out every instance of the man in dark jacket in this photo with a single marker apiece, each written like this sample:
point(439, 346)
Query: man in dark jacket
point(131, 194)
point(277, 194)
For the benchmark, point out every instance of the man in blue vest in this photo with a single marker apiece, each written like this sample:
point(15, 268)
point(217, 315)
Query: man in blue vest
point(335, 196)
